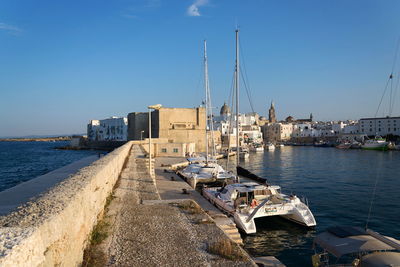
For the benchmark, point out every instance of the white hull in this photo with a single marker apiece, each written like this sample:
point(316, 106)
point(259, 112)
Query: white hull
point(202, 173)
point(257, 149)
point(380, 145)
point(270, 147)
point(293, 210)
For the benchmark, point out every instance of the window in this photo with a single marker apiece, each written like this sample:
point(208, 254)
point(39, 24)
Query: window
point(394, 129)
point(388, 129)
point(175, 150)
point(163, 150)
point(379, 129)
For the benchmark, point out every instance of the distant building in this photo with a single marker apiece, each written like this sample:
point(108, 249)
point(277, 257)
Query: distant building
point(277, 132)
point(138, 125)
point(111, 129)
point(178, 125)
point(271, 113)
point(292, 119)
point(380, 126)
point(225, 111)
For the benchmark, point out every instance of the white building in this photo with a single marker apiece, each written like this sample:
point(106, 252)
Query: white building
point(380, 126)
point(353, 128)
point(112, 129)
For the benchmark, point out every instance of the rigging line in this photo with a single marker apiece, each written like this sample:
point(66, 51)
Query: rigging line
point(384, 92)
point(396, 89)
point(198, 83)
point(248, 93)
point(391, 74)
point(231, 88)
point(230, 118)
point(245, 78)
point(373, 195)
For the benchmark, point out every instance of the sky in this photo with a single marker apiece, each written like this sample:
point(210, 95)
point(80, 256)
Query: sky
point(63, 63)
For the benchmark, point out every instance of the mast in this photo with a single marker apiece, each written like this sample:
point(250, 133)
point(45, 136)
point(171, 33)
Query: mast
point(237, 97)
point(206, 91)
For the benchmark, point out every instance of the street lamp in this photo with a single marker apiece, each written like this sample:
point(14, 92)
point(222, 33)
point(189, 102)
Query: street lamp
point(155, 107)
point(141, 135)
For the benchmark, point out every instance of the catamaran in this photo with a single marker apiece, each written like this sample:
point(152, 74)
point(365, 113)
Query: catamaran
point(248, 201)
point(207, 171)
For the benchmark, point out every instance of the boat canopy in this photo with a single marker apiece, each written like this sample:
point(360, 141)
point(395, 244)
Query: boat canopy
point(340, 241)
point(196, 159)
point(378, 259)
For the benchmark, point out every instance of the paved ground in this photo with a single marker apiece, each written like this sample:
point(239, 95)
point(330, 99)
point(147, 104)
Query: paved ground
point(159, 234)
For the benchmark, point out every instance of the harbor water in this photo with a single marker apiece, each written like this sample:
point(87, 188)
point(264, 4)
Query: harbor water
point(339, 186)
point(23, 161)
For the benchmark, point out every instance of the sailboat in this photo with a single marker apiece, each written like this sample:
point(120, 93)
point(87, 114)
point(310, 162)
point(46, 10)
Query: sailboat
point(250, 200)
point(208, 170)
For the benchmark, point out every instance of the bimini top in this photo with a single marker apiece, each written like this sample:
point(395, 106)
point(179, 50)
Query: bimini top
point(340, 241)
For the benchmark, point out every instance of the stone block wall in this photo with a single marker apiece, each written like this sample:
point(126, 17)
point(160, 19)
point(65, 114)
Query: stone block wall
point(53, 230)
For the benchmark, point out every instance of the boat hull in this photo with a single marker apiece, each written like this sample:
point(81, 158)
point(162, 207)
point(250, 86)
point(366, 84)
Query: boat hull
point(375, 147)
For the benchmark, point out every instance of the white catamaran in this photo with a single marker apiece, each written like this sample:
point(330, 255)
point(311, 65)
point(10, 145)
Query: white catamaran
point(247, 201)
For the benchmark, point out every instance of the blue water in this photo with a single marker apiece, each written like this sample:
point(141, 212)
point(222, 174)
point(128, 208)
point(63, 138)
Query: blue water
point(22, 161)
point(338, 184)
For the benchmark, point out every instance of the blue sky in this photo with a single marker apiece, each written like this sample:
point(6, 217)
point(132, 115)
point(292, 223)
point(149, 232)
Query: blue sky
point(63, 63)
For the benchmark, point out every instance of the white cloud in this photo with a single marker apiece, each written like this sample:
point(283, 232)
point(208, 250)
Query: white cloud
point(9, 28)
point(193, 9)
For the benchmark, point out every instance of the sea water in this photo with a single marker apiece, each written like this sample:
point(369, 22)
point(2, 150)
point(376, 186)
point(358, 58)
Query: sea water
point(22, 161)
point(339, 186)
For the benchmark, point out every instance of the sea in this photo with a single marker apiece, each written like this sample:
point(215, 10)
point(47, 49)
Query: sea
point(23, 161)
point(341, 187)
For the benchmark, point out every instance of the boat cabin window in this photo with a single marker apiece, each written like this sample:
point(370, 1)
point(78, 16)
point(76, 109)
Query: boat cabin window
point(243, 194)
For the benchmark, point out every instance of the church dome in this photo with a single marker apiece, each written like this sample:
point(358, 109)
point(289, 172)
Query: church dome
point(225, 110)
point(289, 119)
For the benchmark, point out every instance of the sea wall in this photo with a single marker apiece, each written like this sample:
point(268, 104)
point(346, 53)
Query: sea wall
point(53, 229)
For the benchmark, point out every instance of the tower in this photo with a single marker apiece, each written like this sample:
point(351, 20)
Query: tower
point(311, 117)
point(271, 113)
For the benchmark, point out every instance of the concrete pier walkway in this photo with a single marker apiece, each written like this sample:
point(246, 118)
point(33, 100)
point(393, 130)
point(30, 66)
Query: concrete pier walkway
point(171, 186)
point(147, 231)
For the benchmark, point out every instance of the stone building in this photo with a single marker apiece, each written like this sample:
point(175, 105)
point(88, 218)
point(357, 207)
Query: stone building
point(277, 132)
point(271, 113)
point(138, 125)
point(178, 125)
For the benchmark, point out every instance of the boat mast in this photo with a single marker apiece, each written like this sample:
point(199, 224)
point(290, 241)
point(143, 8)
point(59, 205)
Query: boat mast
point(237, 98)
point(206, 91)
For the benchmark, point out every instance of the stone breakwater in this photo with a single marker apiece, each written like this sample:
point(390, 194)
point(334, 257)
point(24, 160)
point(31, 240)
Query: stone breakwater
point(53, 229)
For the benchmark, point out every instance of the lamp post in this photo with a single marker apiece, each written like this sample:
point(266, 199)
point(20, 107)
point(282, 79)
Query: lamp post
point(156, 107)
point(141, 135)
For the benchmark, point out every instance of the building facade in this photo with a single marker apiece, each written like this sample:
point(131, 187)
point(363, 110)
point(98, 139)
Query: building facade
point(380, 126)
point(178, 125)
point(111, 129)
point(277, 132)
